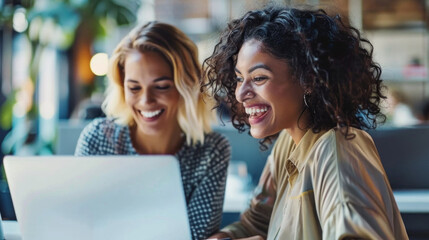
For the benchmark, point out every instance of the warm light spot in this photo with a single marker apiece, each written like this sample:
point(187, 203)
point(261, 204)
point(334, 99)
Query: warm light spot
point(99, 64)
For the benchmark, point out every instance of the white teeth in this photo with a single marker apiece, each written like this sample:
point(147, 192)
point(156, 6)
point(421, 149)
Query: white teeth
point(150, 114)
point(253, 111)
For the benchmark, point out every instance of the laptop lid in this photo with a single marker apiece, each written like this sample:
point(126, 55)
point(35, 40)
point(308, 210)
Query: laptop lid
point(98, 197)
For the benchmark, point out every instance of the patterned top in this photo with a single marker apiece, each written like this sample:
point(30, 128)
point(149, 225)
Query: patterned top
point(203, 169)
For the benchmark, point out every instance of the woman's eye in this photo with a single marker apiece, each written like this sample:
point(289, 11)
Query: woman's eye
point(163, 87)
point(134, 89)
point(259, 79)
point(239, 79)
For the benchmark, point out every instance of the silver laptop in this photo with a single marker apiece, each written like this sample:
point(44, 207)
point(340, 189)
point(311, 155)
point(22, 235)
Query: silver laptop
point(98, 197)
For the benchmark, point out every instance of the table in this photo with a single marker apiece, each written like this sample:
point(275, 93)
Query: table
point(409, 201)
point(412, 201)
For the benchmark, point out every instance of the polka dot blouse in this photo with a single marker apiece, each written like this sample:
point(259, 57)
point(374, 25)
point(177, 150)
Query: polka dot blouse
point(203, 169)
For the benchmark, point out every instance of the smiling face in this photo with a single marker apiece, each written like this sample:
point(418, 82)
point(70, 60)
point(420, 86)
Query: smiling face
point(271, 96)
point(151, 94)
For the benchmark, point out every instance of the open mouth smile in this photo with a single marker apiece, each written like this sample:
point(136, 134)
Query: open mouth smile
point(256, 111)
point(151, 114)
point(257, 114)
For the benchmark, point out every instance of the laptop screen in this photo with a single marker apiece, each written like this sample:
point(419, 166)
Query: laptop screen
point(98, 197)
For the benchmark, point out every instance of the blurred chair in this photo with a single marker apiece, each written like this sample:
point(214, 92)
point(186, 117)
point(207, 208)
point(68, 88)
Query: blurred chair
point(68, 132)
point(245, 148)
point(404, 153)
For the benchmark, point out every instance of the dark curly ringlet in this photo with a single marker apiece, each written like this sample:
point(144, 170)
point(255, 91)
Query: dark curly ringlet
point(330, 59)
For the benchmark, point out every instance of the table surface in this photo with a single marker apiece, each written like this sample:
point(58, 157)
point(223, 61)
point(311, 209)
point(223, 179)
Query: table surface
point(409, 201)
point(412, 201)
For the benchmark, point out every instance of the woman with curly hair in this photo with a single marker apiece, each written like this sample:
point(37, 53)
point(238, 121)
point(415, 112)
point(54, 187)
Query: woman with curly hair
point(307, 78)
point(154, 106)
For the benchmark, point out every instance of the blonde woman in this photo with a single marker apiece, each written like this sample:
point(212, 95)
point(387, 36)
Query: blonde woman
point(154, 106)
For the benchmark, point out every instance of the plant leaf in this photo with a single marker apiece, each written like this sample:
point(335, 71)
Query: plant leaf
point(6, 111)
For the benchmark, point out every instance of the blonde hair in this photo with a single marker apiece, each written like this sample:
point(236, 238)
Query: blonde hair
point(195, 115)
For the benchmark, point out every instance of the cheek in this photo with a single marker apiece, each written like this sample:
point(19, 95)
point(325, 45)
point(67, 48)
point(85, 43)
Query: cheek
point(174, 96)
point(129, 98)
point(287, 101)
point(236, 93)
point(172, 100)
point(177, 101)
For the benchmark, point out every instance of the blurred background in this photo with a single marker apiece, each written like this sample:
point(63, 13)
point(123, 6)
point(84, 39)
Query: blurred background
point(54, 57)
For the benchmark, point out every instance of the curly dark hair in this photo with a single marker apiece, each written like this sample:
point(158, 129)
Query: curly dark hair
point(330, 59)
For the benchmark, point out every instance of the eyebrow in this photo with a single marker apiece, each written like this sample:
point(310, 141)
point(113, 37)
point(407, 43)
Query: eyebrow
point(257, 66)
point(163, 78)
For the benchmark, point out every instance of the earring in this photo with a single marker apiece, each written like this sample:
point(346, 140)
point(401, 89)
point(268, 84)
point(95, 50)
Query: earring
point(305, 100)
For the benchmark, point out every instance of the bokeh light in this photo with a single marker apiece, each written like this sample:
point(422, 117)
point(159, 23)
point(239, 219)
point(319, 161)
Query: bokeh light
point(99, 64)
point(20, 23)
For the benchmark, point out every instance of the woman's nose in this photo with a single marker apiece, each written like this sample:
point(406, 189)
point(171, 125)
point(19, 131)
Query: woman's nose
point(147, 97)
point(243, 91)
